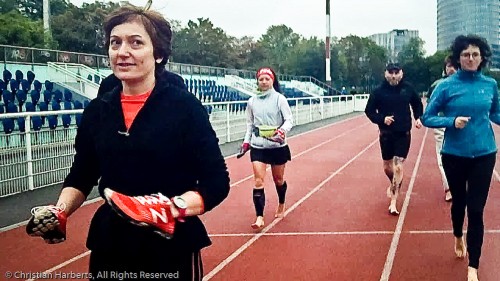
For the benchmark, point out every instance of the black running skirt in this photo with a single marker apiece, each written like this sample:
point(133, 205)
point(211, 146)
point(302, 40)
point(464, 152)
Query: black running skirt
point(272, 156)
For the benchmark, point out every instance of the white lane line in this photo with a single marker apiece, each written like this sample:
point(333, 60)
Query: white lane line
point(308, 150)
point(399, 226)
point(310, 131)
point(350, 233)
point(48, 271)
point(19, 224)
point(320, 233)
point(249, 177)
point(240, 250)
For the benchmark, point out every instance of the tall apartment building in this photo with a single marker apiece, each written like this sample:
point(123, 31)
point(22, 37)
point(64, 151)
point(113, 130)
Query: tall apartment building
point(394, 40)
point(481, 17)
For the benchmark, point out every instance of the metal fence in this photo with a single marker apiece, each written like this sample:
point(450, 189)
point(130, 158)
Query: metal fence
point(34, 56)
point(36, 159)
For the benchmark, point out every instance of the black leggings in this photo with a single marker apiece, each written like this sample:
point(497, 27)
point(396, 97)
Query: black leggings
point(469, 180)
point(145, 265)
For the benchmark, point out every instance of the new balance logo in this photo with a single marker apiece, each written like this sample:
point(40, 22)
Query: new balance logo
point(155, 215)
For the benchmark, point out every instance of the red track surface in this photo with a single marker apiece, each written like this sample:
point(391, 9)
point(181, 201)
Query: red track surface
point(336, 226)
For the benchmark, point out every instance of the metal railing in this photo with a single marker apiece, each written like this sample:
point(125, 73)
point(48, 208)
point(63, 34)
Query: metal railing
point(36, 159)
point(36, 56)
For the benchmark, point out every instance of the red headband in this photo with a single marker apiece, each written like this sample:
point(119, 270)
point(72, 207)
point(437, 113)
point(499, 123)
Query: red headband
point(267, 71)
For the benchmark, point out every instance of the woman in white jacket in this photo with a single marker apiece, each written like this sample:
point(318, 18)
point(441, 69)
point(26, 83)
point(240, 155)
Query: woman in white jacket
point(269, 119)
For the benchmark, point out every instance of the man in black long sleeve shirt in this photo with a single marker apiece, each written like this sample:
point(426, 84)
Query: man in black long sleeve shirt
point(389, 107)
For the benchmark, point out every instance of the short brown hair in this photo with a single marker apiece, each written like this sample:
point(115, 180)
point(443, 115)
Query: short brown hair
point(157, 27)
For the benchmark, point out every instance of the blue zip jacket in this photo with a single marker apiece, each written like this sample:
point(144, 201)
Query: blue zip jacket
point(469, 94)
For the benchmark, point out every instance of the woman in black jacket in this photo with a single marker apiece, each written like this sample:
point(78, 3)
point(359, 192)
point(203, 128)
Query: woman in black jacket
point(149, 145)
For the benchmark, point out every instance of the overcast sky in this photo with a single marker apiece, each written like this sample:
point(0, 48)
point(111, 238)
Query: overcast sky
point(306, 17)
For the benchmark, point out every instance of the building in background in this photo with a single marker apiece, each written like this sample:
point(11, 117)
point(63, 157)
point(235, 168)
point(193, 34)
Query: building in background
point(481, 17)
point(394, 40)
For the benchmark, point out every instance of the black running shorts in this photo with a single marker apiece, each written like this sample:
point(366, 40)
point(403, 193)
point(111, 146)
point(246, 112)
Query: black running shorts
point(272, 156)
point(394, 144)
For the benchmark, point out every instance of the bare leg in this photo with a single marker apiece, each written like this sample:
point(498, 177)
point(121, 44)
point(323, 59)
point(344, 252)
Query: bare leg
point(389, 172)
point(259, 199)
point(396, 184)
point(278, 172)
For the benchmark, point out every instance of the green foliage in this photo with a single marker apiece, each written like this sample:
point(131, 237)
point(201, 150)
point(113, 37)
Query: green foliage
point(355, 61)
point(414, 65)
point(15, 29)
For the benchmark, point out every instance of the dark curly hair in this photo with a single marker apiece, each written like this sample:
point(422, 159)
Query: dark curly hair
point(463, 42)
point(157, 27)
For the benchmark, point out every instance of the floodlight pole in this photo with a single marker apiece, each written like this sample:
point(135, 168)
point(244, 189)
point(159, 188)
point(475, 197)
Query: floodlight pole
point(46, 15)
point(327, 43)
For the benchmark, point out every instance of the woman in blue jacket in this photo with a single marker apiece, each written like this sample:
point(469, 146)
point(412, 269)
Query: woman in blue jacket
point(469, 100)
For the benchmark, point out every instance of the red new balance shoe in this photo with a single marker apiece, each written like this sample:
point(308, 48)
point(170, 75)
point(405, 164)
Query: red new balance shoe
point(48, 222)
point(149, 210)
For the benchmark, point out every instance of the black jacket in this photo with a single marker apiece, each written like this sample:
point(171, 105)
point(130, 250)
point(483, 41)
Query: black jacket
point(387, 100)
point(171, 148)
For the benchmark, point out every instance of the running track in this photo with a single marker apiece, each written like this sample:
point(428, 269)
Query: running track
point(336, 227)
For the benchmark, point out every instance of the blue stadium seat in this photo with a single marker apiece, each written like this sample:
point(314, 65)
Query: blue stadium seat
point(68, 95)
point(8, 123)
point(35, 120)
point(21, 124)
point(21, 98)
point(7, 97)
point(55, 105)
point(30, 76)
point(30, 107)
point(3, 86)
point(78, 117)
point(19, 75)
point(7, 76)
point(43, 106)
point(37, 123)
point(35, 96)
point(58, 96)
point(66, 118)
point(14, 85)
point(37, 86)
point(47, 96)
point(25, 85)
point(49, 86)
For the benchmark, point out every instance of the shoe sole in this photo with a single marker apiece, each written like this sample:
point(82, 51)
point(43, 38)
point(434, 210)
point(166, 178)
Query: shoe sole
point(107, 194)
point(45, 224)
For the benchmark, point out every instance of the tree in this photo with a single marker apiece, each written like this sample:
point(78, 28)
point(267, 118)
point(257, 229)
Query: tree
point(81, 29)
point(7, 6)
point(435, 64)
point(307, 58)
point(414, 65)
point(278, 42)
point(15, 29)
point(34, 8)
point(203, 44)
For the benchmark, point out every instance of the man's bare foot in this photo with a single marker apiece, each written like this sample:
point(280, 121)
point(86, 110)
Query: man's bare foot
point(392, 208)
point(280, 211)
point(472, 274)
point(460, 249)
point(259, 223)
